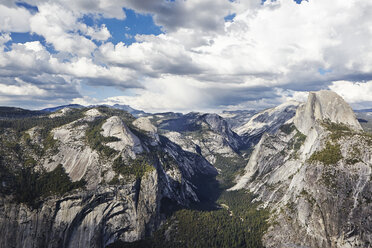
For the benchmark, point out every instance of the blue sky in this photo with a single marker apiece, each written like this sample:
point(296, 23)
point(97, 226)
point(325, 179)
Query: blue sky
point(194, 55)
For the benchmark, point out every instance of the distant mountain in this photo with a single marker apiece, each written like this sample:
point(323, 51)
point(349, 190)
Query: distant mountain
point(365, 120)
point(237, 118)
point(12, 112)
point(363, 110)
point(206, 134)
point(134, 112)
point(269, 120)
point(54, 109)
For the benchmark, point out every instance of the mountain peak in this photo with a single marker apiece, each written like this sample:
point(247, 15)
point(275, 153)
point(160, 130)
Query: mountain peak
point(324, 105)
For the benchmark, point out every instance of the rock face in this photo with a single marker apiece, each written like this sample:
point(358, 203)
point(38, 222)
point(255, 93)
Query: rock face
point(318, 186)
point(115, 203)
point(83, 219)
point(129, 109)
point(205, 134)
point(324, 105)
point(115, 127)
point(266, 121)
point(237, 118)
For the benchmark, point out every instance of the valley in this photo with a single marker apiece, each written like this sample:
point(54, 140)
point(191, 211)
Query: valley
point(297, 175)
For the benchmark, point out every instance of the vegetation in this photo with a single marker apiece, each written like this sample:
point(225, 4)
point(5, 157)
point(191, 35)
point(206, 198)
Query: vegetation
point(354, 156)
point(308, 197)
point(96, 140)
point(296, 142)
point(134, 167)
point(46, 123)
point(337, 130)
point(329, 178)
point(238, 224)
point(11, 112)
point(229, 168)
point(299, 140)
point(31, 186)
point(287, 128)
point(331, 154)
point(125, 116)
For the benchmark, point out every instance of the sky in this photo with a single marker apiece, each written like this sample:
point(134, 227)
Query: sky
point(183, 55)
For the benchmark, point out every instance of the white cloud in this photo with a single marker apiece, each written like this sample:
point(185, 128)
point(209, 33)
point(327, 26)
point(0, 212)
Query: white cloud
point(59, 27)
point(14, 19)
point(96, 33)
point(24, 89)
point(205, 15)
point(4, 38)
point(269, 53)
point(173, 93)
point(85, 101)
point(353, 92)
point(106, 8)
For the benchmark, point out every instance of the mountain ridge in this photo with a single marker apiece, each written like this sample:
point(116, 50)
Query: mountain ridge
point(307, 177)
point(101, 172)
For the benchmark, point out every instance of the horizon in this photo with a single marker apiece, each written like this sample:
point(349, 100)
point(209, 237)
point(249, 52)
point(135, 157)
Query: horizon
point(183, 56)
point(185, 112)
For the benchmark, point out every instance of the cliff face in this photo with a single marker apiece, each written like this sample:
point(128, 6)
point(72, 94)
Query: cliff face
point(314, 174)
point(267, 121)
point(84, 218)
point(132, 176)
point(324, 105)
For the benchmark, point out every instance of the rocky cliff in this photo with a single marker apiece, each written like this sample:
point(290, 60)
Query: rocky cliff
point(267, 121)
point(314, 174)
point(121, 179)
point(208, 135)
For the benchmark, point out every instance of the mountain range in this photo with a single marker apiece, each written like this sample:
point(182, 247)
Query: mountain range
point(297, 175)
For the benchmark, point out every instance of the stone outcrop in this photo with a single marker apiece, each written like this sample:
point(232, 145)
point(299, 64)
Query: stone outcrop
point(105, 210)
point(324, 105)
point(318, 186)
point(115, 127)
point(267, 121)
point(205, 134)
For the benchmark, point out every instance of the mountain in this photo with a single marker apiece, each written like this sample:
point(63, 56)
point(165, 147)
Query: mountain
point(298, 175)
point(129, 109)
point(363, 110)
point(365, 120)
point(208, 135)
point(237, 118)
point(11, 112)
point(314, 174)
point(267, 121)
point(90, 177)
point(54, 109)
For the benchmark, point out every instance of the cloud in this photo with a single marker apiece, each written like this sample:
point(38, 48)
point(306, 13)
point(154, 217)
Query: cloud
point(268, 53)
point(96, 33)
point(14, 19)
point(59, 27)
point(4, 38)
point(24, 89)
point(105, 8)
point(205, 15)
point(355, 93)
point(178, 93)
point(85, 101)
